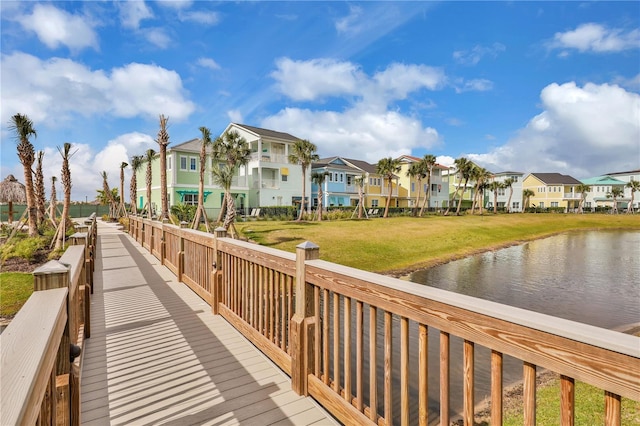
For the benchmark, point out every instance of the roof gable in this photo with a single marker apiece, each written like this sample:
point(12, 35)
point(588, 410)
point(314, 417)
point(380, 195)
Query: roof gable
point(268, 133)
point(192, 145)
point(602, 180)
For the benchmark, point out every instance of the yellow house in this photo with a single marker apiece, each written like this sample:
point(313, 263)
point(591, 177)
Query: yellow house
point(375, 188)
point(412, 192)
point(552, 190)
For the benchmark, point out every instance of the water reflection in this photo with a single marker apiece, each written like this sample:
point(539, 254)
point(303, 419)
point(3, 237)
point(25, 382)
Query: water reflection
point(590, 277)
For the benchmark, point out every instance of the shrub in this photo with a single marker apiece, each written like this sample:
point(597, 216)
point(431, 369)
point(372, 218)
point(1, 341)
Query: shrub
point(24, 248)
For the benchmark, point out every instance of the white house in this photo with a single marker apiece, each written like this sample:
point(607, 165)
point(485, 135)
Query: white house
point(503, 193)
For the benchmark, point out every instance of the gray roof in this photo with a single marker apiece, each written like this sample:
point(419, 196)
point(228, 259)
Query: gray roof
point(556, 178)
point(269, 133)
point(630, 172)
point(192, 145)
point(509, 173)
point(362, 165)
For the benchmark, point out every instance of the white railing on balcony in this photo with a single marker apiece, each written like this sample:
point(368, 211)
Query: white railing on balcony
point(572, 196)
point(269, 158)
point(266, 183)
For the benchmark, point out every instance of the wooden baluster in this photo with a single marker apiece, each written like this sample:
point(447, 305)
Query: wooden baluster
point(388, 368)
point(373, 378)
point(567, 401)
point(326, 323)
point(423, 375)
point(216, 273)
point(336, 343)
point(404, 371)
point(444, 378)
point(347, 349)
point(529, 394)
point(468, 362)
point(496, 388)
point(611, 409)
point(359, 356)
point(317, 350)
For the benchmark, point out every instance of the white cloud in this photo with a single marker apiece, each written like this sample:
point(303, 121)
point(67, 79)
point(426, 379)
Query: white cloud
point(401, 79)
point(445, 160)
point(55, 27)
point(176, 4)
point(55, 90)
point(199, 17)
point(632, 83)
point(157, 36)
point(473, 56)
point(316, 78)
point(235, 116)
point(350, 24)
point(593, 37)
point(208, 63)
point(474, 85)
point(357, 132)
point(584, 131)
point(132, 12)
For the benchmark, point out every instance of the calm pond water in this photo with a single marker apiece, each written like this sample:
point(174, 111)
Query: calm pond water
point(591, 277)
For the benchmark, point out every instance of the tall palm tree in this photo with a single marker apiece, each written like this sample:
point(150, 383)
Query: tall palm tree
point(122, 210)
point(635, 186)
point(615, 192)
point(65, 222)
point(481, 176)
point(136, 163)
point(163, 141)
point(205, 141)
point(111, 196)
point(416, 171)
point(360, 181)
point(508, 183)
point(53, 202)
point(149, 159)
point(303, 153)
point(23, 128)
point(427, 162)
point(463, 170)
point(234, 150)
point(39, 188)
point(387, 168)
point(494, 186)
point(319, 179)
point(527, 194)
point(582, 189)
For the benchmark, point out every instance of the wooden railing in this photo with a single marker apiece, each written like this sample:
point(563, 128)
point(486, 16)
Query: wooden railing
point(358, 341)
point(40, 383)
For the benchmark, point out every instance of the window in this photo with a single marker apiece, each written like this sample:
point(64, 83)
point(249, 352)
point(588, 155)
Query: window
point(374, 203)
point(425, 187)
point(515, 178)
point(190, 199)
point(183, 163)
point(330, 176)
point(515, 205)
point(501, 191)
point(541, 204)
point(193, 164)
point(434, 187)
point(554, 204)
point(413, 186)
point(285, 178)
point(169, 162)
point(341, 177)
point(349, 180)
point(335, 176)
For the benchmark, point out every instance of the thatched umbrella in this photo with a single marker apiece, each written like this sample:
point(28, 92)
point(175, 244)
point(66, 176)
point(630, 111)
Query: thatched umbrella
point(12, 191)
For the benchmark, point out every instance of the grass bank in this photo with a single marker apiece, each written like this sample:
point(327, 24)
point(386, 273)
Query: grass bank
point(399, 245)
point(15, 289)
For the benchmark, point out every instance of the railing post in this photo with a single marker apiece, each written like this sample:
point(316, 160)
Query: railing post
point(163, 243)
point(55, 274)
point(180, 256)
point(216, 272)
point(303, 321)
point(81, 238)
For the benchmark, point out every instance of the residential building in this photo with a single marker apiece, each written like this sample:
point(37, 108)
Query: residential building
point(452, 179)
point(552, 190)
point(504, 193)
point(626, 177)
point(600, 187)
point(413, 191)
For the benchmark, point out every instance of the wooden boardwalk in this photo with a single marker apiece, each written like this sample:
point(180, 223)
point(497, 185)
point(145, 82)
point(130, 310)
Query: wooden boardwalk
point(158, 356)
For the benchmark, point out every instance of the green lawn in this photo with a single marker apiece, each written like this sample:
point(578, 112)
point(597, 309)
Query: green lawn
point(15, 289)
point(400, 243)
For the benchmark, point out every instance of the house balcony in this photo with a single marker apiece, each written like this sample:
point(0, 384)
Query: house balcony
point(571, 196)
point(266, 183)
point(266, 157)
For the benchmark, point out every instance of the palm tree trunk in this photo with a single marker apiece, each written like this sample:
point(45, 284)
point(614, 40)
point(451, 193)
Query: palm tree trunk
point(320, 203)
point(231, 212)
point(31, 203)
point(386, 208)
point(495, 202)
point(509, 200)
point(304, 190)
point(460, 202)
point(415, 210)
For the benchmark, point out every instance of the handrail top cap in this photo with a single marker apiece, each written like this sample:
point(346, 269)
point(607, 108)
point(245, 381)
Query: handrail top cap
point(220, 229)
point(308, 245)
point(52, 267)
point(78, 235)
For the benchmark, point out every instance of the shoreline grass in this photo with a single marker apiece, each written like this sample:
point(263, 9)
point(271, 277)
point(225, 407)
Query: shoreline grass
point(399, 245)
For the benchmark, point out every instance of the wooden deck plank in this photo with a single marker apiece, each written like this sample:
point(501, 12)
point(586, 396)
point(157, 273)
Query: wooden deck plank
point(158, 356)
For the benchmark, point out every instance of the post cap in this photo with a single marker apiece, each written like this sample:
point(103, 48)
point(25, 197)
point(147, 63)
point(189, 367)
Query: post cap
point(308, 245)
point(52, 267)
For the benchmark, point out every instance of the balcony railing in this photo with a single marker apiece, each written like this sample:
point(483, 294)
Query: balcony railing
point(572, 196)
point(269, 158)
point(266, 183)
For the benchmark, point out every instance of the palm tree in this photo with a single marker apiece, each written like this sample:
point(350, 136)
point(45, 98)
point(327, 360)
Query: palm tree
point(319, 178)
point(235, 151)
point(387, 168)
point(481, 176)
point(111, 196)
point(616, 192)
point(122, 210)
point(136, 163)
point(635, 186)
point(527, 194)
point(304, 153)
point(582, 189)
point(223, 177)
point(508, 183)
point(427, 164)
point(163, 141)
point(200, 211)
point(360, 181)
point(65, 223)
point(416, 171)
point(53, 202)
point(494, 186)
point(463, 170)
point(149, 159)
point(39, 188)
point(104, 198)
point(23, 128)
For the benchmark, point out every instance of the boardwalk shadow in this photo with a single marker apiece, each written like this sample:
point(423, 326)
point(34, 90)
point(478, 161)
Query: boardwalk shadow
point(168, 360)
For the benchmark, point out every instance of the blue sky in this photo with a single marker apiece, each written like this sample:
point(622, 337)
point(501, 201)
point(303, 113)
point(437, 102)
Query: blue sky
point(524, 86)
